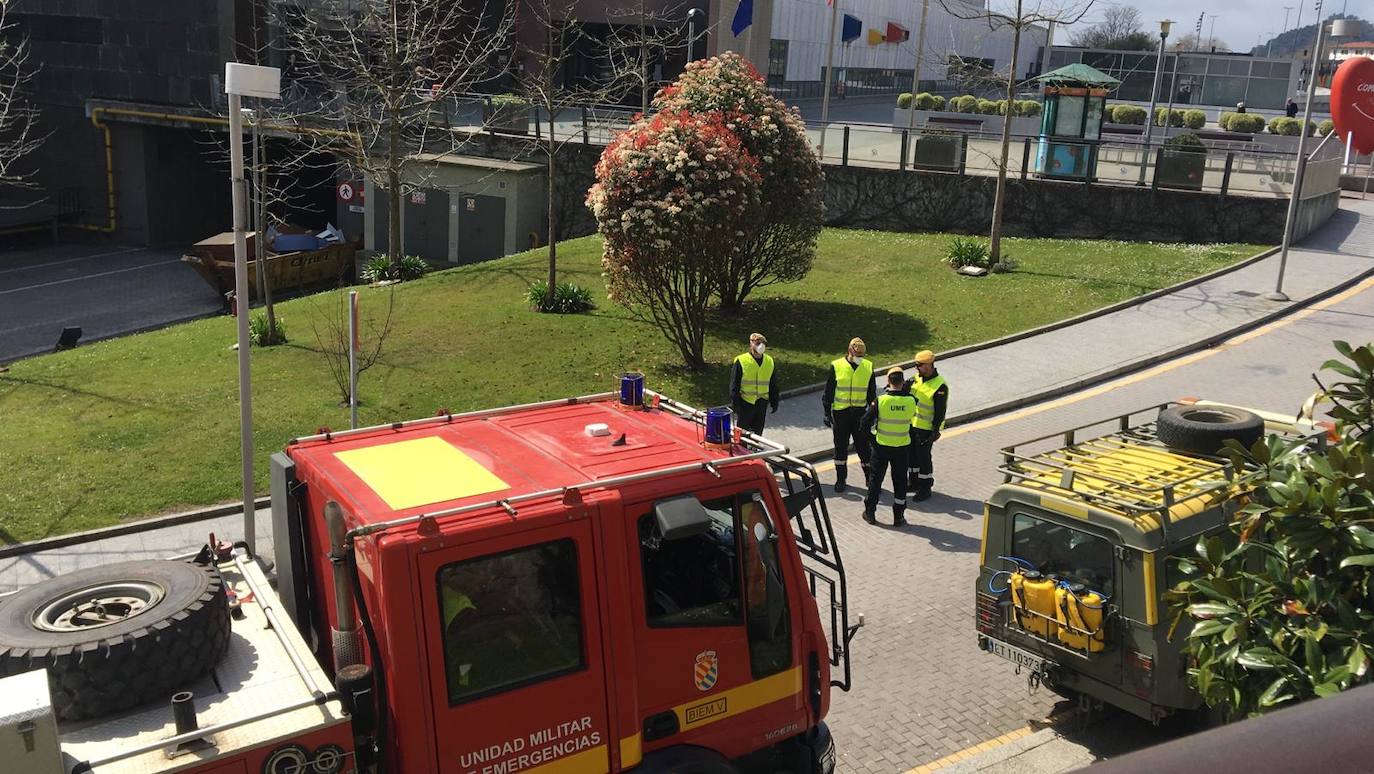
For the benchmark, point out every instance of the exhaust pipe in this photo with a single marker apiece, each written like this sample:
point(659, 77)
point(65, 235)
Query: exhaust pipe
point(347, 644)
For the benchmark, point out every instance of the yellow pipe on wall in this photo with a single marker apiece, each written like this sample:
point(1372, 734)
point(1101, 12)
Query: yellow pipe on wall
point(174, 118)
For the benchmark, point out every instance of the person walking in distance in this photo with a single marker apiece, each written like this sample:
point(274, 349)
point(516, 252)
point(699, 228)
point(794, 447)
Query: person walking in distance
point(932, 398)
point(849, 389)
point(889, 420)
point(753, 385)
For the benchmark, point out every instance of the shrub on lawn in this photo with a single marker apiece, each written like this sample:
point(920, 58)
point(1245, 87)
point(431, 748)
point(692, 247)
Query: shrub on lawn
point(568, 298)
point(1185, 143)
point(1027, 107)
point(1001, 107)
point(987, 107)
point(968, 252)
point(1326, 127)
point(260, 336)
point(378, 268)
point(778, 243)
point(667, 236)
point(1129, 114)
point(925, 101)
point(904, 100)
point(1194, 119)
point(1242, 123)
point(937, 102)
point(1289, 127)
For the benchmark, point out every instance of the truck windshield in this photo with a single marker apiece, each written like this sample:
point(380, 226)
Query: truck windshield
point(510, 619)
point(693, 581)
point(1064, 552)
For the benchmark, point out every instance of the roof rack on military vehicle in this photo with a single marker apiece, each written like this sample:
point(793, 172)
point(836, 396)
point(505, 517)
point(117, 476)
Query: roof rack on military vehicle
point(1106, 482)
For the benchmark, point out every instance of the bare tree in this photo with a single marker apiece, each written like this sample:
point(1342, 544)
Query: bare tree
point(1191, 42)
point(19, 135)
point(1018, 16)
point(1119, 29)
point(639, 38)
point(542, 80)
point(394, 65)
point(330, 326)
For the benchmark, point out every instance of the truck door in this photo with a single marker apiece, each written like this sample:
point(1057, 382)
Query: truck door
point(515, 653)
point(714, 630)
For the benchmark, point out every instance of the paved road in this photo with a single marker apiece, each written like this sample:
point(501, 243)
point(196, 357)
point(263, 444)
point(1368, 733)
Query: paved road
point(107, 291)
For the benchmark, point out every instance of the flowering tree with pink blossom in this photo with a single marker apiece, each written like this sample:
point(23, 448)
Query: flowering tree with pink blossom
point(779, 241)
point(674, 196)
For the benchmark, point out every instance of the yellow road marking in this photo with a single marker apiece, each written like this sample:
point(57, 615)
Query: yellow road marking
point(1150, 373)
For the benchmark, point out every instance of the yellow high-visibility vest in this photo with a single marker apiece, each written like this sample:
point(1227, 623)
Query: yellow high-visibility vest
point(851, 383)
point(754, 377)
point(894, 419)
point(924, 392)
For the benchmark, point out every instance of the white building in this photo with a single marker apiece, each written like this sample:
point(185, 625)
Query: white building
point(1343, 51)
point(882, 56)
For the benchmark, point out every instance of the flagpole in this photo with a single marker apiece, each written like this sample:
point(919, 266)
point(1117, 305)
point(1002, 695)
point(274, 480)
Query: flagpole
point(916, 70)
point(829, 70)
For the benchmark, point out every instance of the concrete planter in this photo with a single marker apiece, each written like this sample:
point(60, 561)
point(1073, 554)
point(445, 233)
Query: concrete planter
point(510, 119)
point(966, 122)
point(1181, 169)
point(941, 153)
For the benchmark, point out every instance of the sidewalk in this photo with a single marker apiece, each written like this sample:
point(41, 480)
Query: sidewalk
point(983, 380)
point(1038, 366)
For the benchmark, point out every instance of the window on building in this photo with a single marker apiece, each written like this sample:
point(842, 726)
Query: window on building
point(510, 619)
point(777, 59)
point(58, 28)
point(1064, 552)
point(693, 581)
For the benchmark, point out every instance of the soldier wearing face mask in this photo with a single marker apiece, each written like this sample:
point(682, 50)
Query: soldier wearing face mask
point(753, 385)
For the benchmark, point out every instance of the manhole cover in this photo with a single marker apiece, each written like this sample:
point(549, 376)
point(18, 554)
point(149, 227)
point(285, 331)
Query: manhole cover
point(1246, 293)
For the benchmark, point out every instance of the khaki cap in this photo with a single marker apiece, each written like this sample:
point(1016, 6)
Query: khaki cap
point(857, 344)
point(897, 370)
point(925, 356)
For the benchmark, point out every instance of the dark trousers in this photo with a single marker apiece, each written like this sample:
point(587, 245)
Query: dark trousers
point(845, 426)
point(922, 467)
point(751, 416)
point(883, 456)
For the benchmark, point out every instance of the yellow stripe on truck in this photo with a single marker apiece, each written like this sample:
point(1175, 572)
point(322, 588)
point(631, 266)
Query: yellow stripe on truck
point(1151, 593)
point(590, 761)
point(631, 751)
point(719, 706)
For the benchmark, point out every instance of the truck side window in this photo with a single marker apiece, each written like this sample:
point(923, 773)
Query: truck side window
point(510, 619)
point(693, 581)
point(765, 592)
point(1067, 553)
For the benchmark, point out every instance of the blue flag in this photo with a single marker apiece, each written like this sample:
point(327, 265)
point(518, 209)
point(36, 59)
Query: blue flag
point(744, 16)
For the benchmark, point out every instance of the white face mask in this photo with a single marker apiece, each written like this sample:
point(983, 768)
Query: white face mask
point(761, 348)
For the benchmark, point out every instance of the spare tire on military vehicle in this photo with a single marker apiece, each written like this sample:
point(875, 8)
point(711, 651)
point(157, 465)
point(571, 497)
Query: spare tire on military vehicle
point(117, 636)
point(1206, 429)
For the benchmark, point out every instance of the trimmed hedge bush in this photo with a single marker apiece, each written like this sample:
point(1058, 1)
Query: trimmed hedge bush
point(1186, 143)
point(925, 101)
point(1326, 127)
point(1194, 119)
point(1129, 114)
point(1027, 107)
point(1289, 127)
point(1175, 116)
point(937, 102)
point(987, 107)
point(964, 104)
point(1001, 107)
point(904, 100)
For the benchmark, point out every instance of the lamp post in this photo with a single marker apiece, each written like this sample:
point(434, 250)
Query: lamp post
point(693, 16)
point(1154, 94)
point(242, 80)
point(1287, 9)
point(1212, 33)
point(916, 71)
point(829, 71)
point(1339, 28)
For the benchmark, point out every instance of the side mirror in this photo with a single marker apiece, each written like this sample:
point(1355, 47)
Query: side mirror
point(680, 517)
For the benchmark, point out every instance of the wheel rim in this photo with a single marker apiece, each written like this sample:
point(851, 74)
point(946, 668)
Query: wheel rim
point(93, 607)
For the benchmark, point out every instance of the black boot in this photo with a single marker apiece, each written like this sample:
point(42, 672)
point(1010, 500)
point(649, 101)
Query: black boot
point(840, 475)
point(898, 517)
point(921, 496)
point(870, 515)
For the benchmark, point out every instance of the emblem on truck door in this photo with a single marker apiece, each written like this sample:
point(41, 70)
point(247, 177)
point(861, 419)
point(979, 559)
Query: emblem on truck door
point(706, 670)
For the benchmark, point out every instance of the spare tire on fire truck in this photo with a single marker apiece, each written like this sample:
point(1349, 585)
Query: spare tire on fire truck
point(1205, 429)
point(116, 636)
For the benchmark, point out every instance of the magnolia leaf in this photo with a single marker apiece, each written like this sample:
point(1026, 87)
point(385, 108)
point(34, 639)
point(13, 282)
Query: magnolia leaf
point(1261, 658)
point(1274, 694)
point(1358, 663)
point(1340, 368)
point(1208, 629)
point(1362, 534)
point(1358, 560)
point(1208, 610)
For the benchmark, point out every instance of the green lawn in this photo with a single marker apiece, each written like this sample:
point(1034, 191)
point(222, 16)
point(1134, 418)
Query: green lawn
point(149, 423)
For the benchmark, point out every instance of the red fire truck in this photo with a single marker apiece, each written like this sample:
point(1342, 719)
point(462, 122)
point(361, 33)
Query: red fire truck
point(575, 585)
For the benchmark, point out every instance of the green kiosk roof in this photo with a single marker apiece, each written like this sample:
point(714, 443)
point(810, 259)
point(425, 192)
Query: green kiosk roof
point(1078, 75)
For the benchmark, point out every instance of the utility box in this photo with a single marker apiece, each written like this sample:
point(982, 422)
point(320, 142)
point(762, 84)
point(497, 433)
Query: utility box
point(28, 728)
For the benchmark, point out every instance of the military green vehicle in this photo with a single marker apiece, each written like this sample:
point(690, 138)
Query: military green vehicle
point(1077, 546)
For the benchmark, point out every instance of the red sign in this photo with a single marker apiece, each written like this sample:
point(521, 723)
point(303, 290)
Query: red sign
point(1352, 102)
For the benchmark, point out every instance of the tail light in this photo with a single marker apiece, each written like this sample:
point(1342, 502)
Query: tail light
point(1140, 670)
point(989, 613)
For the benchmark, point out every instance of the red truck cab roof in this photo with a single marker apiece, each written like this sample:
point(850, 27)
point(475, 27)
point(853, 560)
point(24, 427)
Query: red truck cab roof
point(445, 463)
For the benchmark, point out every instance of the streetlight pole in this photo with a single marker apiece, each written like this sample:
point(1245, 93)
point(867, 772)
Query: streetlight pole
point(241, 80)
point(1338, 29)
point(1287, 9)
point(1154, 94)
point(829, 74)
point(692, 17)
point(916, 69)
point(1212, 33)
